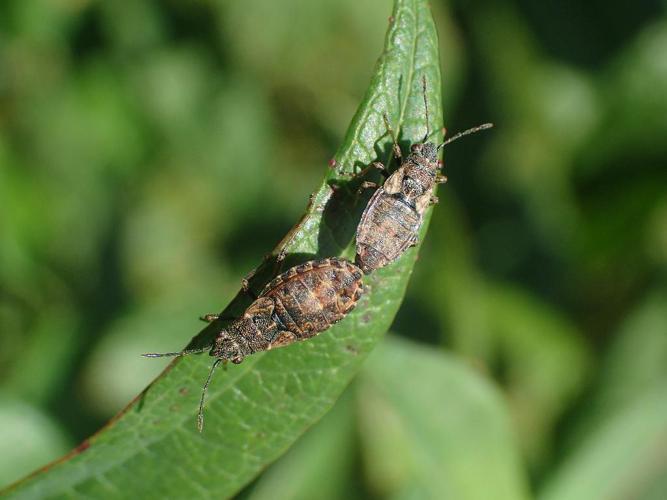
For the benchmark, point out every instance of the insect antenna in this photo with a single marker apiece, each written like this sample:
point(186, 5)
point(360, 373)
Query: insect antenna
point(473, 130)
point(200, 414)
point(180, 353)
point(425, 108)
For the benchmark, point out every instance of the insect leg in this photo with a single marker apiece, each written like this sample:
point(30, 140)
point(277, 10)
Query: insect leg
point(367, 185)
point(211, 317)
point(362, 173)
point(396, 147)
point(381, 168)
point(245, 284)
point(377, 165)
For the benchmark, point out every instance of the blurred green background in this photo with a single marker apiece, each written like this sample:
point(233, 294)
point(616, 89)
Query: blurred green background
point(151, 153)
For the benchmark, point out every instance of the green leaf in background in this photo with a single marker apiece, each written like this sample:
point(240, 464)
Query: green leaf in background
point(31, 435)
point(545, 363)
point(256, 410)
point(543, 357)
point(433, 428)
point(637, 359)
point(617, 450)
point(623, 458)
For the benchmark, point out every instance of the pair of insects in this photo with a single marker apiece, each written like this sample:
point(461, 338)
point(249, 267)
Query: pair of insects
point(309, 298)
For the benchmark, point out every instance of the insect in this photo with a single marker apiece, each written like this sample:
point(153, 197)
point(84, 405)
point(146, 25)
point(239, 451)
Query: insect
point(392, 218)
point(297, 305)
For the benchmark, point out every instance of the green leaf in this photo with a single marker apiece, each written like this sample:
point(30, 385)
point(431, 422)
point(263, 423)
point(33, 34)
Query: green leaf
point(31, 436)
point(637, 357)
point(545, 363)
point(624, 457)
point(257, 409)
point(433, 428)
point(616, 449)
point(320, 465)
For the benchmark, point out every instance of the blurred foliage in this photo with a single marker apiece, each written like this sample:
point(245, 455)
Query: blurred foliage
point(152, 153)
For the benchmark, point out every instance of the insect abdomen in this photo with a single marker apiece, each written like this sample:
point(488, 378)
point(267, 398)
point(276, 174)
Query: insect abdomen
point(388, 227)
point(312, 297)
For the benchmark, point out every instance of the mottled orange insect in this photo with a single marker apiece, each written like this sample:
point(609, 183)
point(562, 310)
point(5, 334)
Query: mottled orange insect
point(297, 305)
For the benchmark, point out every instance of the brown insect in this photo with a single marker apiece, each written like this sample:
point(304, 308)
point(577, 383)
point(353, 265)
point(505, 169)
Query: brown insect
point(391, 221)
point(297, 305)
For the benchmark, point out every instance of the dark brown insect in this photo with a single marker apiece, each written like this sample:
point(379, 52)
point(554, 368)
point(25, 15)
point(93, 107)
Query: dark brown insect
point(297, 305)
point(391, 221)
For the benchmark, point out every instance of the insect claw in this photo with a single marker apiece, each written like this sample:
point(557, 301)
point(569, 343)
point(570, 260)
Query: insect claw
point(209, 318)
point(366, 185)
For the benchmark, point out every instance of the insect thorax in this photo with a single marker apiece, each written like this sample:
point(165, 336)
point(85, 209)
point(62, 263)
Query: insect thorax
point(419, 176)
point(245, 336)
